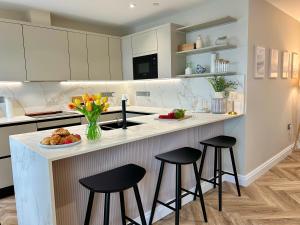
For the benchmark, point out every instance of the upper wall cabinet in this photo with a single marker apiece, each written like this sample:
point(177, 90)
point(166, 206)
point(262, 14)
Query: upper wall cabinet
point(98, 57)
point(115, 59)
point(46, 53)
point(144, 43)
point(12, 63)
point(78, 56)
point(127, 60)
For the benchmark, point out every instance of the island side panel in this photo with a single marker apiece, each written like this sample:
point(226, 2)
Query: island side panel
point(71, 198)
point(33, 183)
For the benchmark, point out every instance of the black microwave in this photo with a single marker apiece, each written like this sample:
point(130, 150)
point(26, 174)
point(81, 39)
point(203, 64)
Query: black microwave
point(145, 67)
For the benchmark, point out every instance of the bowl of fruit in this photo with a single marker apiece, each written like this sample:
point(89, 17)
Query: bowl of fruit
point(60, 138)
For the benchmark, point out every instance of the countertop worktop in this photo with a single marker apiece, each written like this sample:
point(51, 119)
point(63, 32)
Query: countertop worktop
point(26, 119)
point(149, 127)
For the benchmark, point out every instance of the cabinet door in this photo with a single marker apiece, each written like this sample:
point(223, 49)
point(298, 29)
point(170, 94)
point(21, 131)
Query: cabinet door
point(98, 57)
point(144, 43)
point(115, 59)
point(164, 52)
point(5, 132)
point(46, 53)
point(127, 62)
point(12, 62)
point(6, 178)
point(78, 56)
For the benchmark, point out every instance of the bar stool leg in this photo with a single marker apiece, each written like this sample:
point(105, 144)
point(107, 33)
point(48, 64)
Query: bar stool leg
point(201, 168)
point(179, 183)
point(139, 204)
point(106, 209)
point(200, 191)
point(122, 204)
point(89, 208)
point(220, 177)
point(235, 172)
point(215, 168)
point(161, 171)
point(177, 202)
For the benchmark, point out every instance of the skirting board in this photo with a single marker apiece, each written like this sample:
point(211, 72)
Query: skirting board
point(246, 180)
point(162, 211)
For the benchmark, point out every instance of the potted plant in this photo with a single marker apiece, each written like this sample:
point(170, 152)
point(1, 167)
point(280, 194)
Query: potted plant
point(91, 106)
point(221, 86)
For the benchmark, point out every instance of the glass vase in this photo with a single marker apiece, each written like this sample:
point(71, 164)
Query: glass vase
point(93, 130)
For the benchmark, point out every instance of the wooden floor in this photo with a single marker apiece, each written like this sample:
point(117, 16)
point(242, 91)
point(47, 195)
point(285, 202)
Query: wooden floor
point(274, 199)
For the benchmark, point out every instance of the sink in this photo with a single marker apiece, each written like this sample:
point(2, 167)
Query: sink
point(117, 125)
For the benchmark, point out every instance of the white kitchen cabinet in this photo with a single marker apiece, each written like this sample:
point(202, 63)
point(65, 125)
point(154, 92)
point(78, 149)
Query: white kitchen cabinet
point(6, 178)
point(115, 59)
point(46, 53)
point(5, 164)
point(78, 56)
point(5, 132)
point(98, 57)
point(127, 60)
point(144, 43)
point(12, 62)
point(164, 52)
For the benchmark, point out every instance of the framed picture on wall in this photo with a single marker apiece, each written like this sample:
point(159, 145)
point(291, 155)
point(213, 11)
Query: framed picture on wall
point(295, 65)
point(274, 63)
point(286, 63)
point(260, 62)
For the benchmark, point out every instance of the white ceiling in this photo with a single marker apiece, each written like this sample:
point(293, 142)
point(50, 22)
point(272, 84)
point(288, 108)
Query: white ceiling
point(115, 12)
point(291, 7)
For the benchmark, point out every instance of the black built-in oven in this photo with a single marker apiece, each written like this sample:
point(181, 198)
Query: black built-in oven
point(145, 67)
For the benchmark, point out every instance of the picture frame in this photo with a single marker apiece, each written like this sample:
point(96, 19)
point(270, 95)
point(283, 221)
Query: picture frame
point(286, 64)
point(295, 65)
point(260, 62)
point(274, 63)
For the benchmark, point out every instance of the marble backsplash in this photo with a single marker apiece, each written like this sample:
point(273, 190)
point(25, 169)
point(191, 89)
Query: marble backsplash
point(191, 94)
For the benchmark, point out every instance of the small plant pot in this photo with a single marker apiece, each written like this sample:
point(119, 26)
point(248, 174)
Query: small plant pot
point(188, 71)
point(219, 94)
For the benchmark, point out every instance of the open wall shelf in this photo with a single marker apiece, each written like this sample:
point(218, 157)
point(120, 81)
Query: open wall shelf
point(207, 75)
point(213, 48)
point(208, 24)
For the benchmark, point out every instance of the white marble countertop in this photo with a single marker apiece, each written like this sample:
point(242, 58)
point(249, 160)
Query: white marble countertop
point(149, 127)
point(27, 119)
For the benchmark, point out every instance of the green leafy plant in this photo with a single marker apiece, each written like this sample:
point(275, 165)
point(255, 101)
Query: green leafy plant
point(220, 84)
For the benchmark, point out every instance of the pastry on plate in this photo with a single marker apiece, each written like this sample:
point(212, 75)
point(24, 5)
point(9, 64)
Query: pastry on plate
point(55, 139)
point(46, 141)
point(61, 132)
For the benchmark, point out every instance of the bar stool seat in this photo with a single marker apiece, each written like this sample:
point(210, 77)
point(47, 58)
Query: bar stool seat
point(220, 142)
point(115, 180)
point(183, 156)
point(178, 157)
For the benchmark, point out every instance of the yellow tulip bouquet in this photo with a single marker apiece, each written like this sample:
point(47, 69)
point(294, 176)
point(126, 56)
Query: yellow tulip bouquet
point(91, 106)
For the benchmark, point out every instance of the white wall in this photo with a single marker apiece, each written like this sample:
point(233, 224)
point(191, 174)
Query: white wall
point(271, 103)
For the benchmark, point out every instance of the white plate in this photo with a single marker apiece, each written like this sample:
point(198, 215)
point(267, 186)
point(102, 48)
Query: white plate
point(59, 146)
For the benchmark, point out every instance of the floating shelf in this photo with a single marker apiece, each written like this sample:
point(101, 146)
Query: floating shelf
point(208, 24)
point(208, 49)
point(207, 75)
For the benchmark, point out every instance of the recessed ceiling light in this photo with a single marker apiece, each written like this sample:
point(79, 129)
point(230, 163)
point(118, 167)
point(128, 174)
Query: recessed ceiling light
point(132, 5)
point(155, 3)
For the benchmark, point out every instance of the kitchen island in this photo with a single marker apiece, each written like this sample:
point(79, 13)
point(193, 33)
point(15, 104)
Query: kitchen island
point(46, 181)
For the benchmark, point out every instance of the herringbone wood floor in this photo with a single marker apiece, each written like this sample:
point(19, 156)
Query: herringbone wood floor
point(274, 199)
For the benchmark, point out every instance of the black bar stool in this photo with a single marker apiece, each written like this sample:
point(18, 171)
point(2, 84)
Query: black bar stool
point(179, 157)
point(219, 143)
point(116, 180)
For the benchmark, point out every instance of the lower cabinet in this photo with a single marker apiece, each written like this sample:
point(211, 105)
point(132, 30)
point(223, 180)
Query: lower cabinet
point(5, 161)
